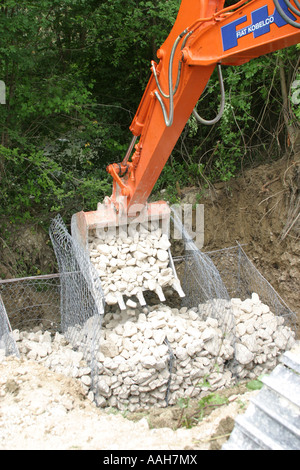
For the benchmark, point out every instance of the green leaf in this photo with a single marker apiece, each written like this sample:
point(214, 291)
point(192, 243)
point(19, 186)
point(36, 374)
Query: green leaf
point(255, 384)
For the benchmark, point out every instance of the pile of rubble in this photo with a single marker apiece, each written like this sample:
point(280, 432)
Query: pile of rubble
point(159, 357)
point(261, 337)
point(152, 357)
point(156, 358)
point(54, 352)
point(128, 265)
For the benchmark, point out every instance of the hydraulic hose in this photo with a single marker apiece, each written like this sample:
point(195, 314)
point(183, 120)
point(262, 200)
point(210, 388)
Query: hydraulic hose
point(130, 148)
point(290, 7)
point(169, 119)
point(178, 72)
point(222, 106)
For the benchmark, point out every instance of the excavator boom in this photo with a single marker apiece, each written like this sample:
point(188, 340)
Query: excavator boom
point(205, 35)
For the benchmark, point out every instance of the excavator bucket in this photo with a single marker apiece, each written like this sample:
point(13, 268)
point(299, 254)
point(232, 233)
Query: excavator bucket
point(131, 254)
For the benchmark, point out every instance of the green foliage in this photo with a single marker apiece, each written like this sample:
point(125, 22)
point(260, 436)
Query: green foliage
point(191, 413)
point(74, 75)
point(129, 35)
point(251, 129)
point(46, 93)
point(75, 72)
point(174, 177)
point(41, 187)
point(255, 384)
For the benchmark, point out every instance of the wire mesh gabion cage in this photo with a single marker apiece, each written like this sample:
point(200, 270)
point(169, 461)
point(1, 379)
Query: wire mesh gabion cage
point(72, 303)
point(7, 342)
point(239, 276)
point(81, 296)
point(32, 301)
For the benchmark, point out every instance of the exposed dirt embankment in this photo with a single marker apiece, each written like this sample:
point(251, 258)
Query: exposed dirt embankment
point(260, 209)
point(25, 250)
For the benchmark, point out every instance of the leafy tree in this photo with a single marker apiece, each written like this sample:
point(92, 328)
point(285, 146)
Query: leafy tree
point(49, 101)
point(254, 125)
point(75, 72)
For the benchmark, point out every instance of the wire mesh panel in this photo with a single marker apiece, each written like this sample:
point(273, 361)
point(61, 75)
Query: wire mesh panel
point(72, 302)
point(82, 294)
point(82, 299)
point(242, 278)
point(32, 301)
point(226, 274)
point(7, 342)
point(203, 284)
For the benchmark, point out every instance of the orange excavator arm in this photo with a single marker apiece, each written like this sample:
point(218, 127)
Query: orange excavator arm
point(205, 34)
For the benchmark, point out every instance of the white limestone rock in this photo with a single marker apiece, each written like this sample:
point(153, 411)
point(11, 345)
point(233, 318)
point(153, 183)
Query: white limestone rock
point(141, 351)
point(242, 354)
point(140, 261)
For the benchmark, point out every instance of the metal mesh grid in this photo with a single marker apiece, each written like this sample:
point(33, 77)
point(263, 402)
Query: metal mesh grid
point(242, 278)
point(7, 342)
point(32, 301)
point(81, 291)
point(81, 295)
point(211, 279)
point(72, 301)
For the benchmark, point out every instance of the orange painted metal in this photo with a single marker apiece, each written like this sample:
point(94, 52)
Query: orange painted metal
point(214, 35)
point(106, 217)
point(249, 23)
point(205, 34)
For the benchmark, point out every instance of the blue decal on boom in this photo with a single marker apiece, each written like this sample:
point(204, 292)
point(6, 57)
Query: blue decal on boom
point(261, 21)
